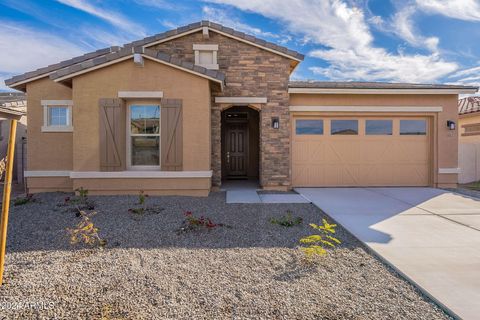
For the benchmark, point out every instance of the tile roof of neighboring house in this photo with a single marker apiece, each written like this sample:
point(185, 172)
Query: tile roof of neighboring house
point(371, 85)
point(68, 72)
point(18, 80)
point(16, 108)
point(220, 28)
point(468, 105)
point(11, 96)
point(60, 65)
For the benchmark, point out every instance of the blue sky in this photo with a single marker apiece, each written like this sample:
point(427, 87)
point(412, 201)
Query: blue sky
point(423, 41)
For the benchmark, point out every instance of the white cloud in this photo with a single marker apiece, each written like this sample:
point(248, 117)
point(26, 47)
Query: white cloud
point(459, 9)
point(403, 26)
point(160, 4)
point(344, 30)
point(112, 17)
point(223, 17)
point(23, 49)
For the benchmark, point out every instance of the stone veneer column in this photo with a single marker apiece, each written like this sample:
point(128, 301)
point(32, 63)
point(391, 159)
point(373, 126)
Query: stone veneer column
point(216, 145)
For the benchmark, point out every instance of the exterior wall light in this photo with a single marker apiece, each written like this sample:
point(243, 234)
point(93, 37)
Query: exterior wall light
point(275, 122)
point(451, 125)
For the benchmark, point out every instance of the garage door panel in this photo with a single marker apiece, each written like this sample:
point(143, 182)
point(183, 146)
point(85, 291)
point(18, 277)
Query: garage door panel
point(361, 160)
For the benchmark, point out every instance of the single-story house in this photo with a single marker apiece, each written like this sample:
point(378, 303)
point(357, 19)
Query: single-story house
point(181, 111)
point(469, 139)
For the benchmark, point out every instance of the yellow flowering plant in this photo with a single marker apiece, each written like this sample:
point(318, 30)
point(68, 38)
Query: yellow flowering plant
point(315, 244)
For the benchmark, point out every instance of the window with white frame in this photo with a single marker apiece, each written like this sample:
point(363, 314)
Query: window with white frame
point(143, 151)
point(206, 55)
point(57, 115)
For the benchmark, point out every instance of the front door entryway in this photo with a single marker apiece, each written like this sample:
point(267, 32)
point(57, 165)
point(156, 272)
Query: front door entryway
point(240, 143)
point(236, 149)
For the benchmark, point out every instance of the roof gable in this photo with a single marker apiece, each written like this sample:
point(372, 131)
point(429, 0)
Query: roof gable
point(468, 105)
point(218, 28)
point(65, 74)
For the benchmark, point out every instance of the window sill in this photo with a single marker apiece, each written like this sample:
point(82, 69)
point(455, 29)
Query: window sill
point(57, 129)
point(209, 66)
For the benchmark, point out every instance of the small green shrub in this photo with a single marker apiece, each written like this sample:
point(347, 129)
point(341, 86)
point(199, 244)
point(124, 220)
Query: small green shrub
point(86, 232)
point(20, 201)
point(287, 220)
point(314, 245)
point(143, 208)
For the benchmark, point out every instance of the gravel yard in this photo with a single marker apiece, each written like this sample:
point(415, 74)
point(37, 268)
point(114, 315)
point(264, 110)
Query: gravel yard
point(248, 270)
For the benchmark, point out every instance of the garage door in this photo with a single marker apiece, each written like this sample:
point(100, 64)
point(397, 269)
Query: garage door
point(360, 151)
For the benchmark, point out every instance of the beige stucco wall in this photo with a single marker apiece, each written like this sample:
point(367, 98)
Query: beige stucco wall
point(445, 142)
point(469, 150)
point(47, 150)
point(153, 76)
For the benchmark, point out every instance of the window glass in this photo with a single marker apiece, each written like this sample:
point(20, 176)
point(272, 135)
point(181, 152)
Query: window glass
point(145, 119)
point(344, 127)
point(145, 135)
point(413, 127)
point(308, 127)
point(58, 116)
point(145, 150)
point(378, 127)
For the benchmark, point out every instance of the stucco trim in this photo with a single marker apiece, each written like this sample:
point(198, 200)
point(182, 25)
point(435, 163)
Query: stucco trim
point(31, 174)
point(56, 102)
point(205, 47)
point(240, 100)
point(378, 91)
point(140, 94)
point(366, 109)
point(140, 174)
point(449, 170)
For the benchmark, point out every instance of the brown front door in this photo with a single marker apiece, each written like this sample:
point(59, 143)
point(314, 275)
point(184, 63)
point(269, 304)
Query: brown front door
point(236, 149)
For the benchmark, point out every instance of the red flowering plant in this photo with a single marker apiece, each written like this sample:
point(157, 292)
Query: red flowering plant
point(194, 223)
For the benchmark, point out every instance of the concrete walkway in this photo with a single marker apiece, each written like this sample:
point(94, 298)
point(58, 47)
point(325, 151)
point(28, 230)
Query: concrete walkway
point(429, 235)
point(245, 191)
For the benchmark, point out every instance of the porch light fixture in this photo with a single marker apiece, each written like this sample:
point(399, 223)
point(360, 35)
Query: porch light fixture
point(451, 125)
point(275, 122)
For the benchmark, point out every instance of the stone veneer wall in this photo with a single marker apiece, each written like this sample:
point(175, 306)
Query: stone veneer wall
point(251, 72)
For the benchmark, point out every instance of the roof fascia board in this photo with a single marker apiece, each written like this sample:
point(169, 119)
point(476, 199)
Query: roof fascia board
point(378, 91)
point(71, 75)
point(224, 34)
point(16, 84)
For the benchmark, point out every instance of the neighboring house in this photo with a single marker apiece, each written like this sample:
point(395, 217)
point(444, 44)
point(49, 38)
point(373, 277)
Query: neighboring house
point(14, 103)
point(469, 139)
point(178, 112)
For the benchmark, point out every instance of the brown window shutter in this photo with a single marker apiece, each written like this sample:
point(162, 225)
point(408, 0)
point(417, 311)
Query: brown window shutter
point(171, 135)
point(112, 134)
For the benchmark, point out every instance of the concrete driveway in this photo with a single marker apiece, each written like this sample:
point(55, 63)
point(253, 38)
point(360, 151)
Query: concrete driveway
point(431, 236)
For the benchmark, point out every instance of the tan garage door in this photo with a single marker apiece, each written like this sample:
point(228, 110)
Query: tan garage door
point(361, 151)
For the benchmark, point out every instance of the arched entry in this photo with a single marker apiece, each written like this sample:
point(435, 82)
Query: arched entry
point(240, 143)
